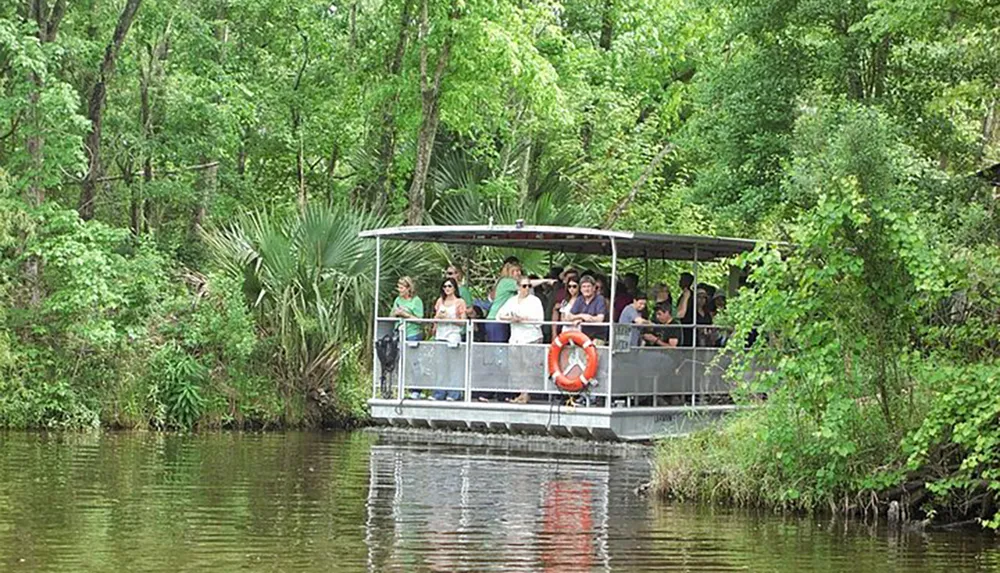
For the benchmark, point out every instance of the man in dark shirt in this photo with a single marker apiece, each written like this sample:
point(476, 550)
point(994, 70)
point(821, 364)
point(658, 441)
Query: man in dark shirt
point(665, 336)
point(590, 307)
point(686, 309)
point(627, 289)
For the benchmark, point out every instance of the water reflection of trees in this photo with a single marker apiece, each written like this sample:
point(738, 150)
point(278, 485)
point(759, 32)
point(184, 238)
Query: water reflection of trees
point(162, 502)
point(334, 502)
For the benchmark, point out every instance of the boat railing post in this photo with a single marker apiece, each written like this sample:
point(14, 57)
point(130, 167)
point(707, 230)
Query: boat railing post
point(402, 358)
point(694, 332)
point(469, 335)
point(375, 362)
point(611, 318)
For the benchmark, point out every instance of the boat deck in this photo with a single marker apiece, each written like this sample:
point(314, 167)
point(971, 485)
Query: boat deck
point(618, 424)
point(690, 379)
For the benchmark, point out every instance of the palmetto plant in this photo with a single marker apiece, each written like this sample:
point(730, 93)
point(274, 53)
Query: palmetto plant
point(459, 197)
point(310, 280)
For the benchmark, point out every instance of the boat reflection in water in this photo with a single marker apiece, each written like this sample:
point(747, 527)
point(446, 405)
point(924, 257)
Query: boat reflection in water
point(568, 522)
point(476, 510)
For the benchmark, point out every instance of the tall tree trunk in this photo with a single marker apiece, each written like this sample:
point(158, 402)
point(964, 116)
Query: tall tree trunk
point(300, 172)
point(425, 150)
point(145, 122)
point(35, 192)
point(331, 171)
point(95, 109)
point(607, 25)
point(607, 34)
point(353, 27)
point(991, 125)
point(48, 26)
point(150, 77)
point(525, 172)
point(300, 161)
point(378, 197)
point(430, 103)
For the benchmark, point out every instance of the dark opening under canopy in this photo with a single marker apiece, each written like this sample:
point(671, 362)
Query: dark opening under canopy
point(573, 240)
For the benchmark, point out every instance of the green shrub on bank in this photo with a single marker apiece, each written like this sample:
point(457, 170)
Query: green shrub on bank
point(98, 327)
point(955, 453)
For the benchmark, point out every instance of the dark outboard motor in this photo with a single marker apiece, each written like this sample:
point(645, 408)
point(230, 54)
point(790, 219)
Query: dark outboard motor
point(387, 349)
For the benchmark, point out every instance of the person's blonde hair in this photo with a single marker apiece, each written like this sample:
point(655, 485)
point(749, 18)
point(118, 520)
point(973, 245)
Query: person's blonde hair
point(508, 270)
point(458, 270)
point(409, 283)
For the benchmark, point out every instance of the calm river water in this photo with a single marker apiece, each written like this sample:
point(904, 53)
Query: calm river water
point(364, 501)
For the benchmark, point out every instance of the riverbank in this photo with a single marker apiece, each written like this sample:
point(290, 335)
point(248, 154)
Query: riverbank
point(940, 472)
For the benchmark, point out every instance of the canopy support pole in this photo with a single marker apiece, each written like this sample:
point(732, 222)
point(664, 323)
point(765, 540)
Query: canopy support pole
point(694, 332)
point(610, 304)
point(645, 280)
point(378, 277)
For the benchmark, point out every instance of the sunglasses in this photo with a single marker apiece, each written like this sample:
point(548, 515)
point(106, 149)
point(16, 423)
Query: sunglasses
point(572, 285)
point(525, 285)
point(449, 286)
point(451, 273)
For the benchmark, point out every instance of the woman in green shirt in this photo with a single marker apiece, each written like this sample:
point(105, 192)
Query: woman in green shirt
point(408, 305)
point(505, 288)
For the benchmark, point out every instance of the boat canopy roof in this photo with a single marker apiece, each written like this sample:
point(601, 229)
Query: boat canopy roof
point(573, 240)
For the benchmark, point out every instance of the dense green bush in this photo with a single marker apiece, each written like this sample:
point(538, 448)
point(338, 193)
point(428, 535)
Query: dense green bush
point(868, 333)
point(111, 332)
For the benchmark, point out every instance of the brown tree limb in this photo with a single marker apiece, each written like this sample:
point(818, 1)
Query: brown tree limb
point(634, 191)
point(14, 123)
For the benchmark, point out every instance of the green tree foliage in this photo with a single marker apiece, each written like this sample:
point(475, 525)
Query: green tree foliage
point(870, 342)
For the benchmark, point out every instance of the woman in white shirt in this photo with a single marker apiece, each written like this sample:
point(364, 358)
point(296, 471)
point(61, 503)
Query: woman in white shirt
point(521, 309)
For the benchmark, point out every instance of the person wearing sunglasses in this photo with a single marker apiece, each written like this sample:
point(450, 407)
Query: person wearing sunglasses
point(520, 311)
point(506, 289)
point(525, 313)
point(455, 272)
point(449, 307)
point(563, 304)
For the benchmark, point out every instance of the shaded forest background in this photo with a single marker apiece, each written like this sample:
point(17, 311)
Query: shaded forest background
point(182, 182)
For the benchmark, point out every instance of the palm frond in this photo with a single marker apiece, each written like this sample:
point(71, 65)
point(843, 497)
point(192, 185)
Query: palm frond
point(309, 276)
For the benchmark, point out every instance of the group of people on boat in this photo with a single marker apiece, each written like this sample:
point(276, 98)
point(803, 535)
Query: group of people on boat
point(524, 309)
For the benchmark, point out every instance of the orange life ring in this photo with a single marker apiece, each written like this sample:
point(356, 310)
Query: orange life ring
point(580, 381)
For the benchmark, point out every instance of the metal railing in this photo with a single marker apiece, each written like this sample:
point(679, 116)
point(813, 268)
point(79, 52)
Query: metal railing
point(637, 375)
